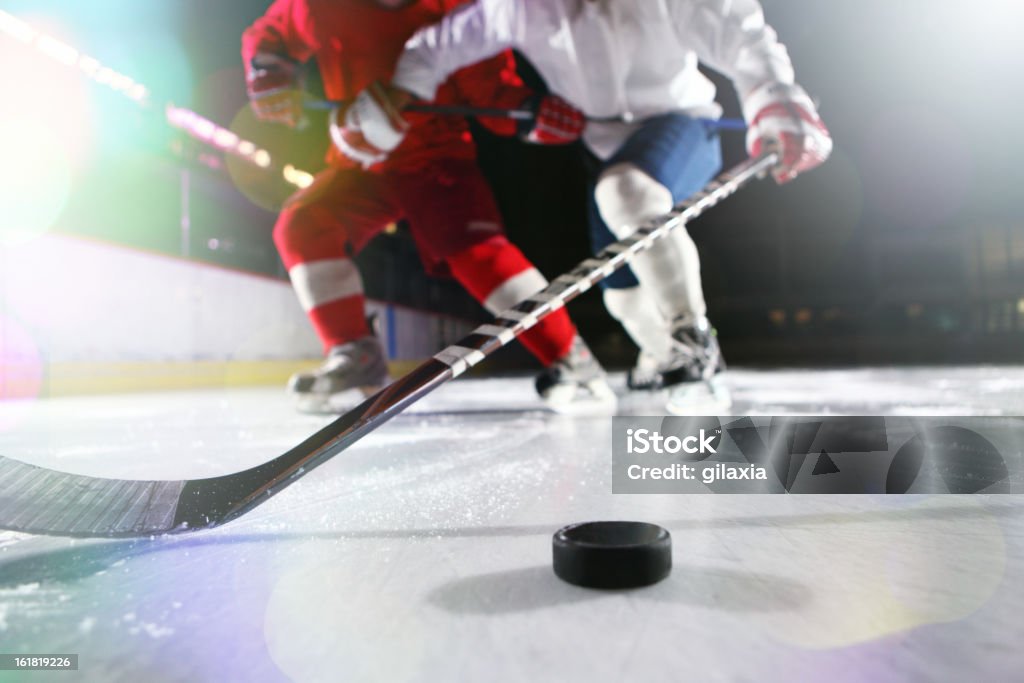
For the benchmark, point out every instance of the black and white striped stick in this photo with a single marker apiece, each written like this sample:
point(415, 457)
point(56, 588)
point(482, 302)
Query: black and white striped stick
point(43, 501)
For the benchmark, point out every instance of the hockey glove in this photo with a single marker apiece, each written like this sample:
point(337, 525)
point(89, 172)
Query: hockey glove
point(786, 118)
point(557, 122)
point(367, 130)
point(274, 91)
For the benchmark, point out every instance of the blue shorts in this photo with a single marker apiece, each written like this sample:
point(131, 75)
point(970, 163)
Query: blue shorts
point(679, 152)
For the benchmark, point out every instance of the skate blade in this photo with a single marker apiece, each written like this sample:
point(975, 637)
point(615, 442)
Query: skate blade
point(650, 384)
point(335, 404)
point(699, 398)
point(595, 399)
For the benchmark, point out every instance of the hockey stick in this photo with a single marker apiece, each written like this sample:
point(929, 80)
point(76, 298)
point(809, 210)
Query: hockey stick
point(43, 501)
point(516, 114)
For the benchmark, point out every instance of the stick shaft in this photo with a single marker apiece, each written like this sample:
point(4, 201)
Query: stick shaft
point(516, 114)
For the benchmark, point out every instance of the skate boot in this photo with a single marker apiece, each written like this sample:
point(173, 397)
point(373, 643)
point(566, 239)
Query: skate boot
point(645, 376)
point(351, 372)
point(576, 384)
point(693, 375)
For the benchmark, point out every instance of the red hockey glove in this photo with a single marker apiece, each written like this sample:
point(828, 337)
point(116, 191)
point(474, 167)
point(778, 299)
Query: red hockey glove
point(274, 91)
point(557, 122)
point(793, 125)
point(371, 127)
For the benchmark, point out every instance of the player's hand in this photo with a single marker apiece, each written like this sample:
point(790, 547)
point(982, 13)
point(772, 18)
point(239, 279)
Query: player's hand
point(795, 129)
point(372, 126)
point(274, 90)
point(557, 122)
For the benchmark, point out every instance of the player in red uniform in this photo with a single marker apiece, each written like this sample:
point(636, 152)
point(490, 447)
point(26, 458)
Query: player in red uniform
point(430, 179)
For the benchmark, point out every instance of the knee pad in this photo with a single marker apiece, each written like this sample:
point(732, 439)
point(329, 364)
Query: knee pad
point(291, 227)
point(283, 229)
point(626, 196)
point(306, 233)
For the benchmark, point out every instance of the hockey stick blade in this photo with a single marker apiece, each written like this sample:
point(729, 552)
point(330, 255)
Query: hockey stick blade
point(43, 501)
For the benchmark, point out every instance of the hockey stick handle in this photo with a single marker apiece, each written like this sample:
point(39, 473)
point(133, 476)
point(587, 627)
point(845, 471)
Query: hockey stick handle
point(516, 114)
point(441, 109)
point(467, 352)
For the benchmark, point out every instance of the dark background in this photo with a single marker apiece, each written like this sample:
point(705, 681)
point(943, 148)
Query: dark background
point(908, 246)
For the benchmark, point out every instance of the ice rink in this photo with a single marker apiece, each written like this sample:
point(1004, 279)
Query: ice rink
point(423, 552)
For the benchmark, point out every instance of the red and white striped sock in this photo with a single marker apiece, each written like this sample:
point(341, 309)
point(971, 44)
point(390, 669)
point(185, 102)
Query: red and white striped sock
point(499, 276)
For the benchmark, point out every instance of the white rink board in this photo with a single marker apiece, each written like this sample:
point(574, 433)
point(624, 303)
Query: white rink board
point(85, 301)
point(89, 301)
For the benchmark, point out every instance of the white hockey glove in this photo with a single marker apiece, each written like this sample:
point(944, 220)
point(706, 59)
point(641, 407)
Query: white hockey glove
point(785, 117)
point(367, 130)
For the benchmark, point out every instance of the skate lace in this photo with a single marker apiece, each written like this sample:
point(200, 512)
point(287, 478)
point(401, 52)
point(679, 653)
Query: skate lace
point(694, 349)
point(691, 344)
point(343, 359)
point(335, 363)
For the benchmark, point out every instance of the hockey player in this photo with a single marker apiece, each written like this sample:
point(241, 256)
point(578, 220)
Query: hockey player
point(632, 67)
point(430, 179)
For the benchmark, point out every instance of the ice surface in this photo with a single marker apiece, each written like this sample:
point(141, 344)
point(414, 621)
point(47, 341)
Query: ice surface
point(423, 553)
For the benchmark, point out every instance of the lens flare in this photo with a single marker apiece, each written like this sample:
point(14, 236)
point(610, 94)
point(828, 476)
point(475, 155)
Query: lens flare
point(251, 174)
point(35, 180)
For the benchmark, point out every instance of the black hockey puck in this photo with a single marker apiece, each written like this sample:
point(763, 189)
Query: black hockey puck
point(612, 554)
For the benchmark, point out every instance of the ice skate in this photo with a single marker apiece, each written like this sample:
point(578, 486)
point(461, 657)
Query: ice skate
point(645, 375)
point(693, 375)
point(350, 373)
point(576, 384)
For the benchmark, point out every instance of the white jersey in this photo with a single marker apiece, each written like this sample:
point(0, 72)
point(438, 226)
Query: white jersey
point(614, 58)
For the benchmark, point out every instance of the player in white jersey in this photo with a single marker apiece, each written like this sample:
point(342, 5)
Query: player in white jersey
point(631, 66)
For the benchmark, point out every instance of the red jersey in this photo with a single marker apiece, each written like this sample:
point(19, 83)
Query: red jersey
point(357, 42)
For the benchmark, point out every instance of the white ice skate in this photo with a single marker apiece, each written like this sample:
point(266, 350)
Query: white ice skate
point(350, 373)
point(693, 375)
point(645, 375)
point(576, 384)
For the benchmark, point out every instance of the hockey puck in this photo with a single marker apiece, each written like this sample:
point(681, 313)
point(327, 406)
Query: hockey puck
point(612, 554)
